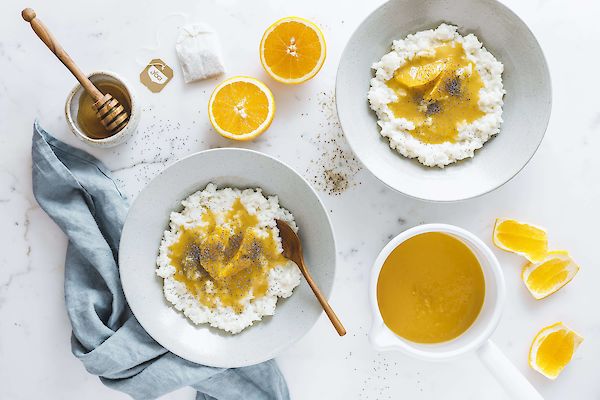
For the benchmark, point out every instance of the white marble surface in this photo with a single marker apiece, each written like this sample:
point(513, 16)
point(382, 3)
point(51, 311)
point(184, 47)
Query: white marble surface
point(559, 189)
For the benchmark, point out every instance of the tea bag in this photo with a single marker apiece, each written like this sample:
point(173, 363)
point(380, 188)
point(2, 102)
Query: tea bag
point(199, 52)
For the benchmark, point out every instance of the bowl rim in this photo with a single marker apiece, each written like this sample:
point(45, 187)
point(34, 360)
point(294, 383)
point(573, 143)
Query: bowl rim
point(338, 84)
point(402, 344)
point(327, 292)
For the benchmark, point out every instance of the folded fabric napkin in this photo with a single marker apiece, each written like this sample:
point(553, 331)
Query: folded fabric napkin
point(76, 190)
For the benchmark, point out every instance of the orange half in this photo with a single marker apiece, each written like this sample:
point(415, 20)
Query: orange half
point(292, 50)
point(241, 108)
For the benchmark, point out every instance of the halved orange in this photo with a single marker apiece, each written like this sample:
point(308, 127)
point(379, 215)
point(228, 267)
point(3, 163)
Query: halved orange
point(241, 108)
point(552, 349)
point(550, 274)
point(519, 237)
point(292, 50)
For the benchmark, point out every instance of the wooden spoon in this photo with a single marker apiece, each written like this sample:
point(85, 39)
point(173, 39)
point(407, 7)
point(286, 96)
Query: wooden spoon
point(112, 115)
point(292, 249)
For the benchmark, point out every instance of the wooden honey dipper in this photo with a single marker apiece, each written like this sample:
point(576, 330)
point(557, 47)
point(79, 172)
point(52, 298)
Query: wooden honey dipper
point(111, 114)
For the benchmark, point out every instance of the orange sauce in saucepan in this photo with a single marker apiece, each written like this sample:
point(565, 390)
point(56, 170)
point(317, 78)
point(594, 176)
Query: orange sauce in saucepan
point(431, 288)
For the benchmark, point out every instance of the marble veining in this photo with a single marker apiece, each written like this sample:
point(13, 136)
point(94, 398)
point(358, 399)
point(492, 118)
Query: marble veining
point(558, 189)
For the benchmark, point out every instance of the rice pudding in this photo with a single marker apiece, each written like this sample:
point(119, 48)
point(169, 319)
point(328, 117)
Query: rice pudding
point(438, 96)
point(221, 259)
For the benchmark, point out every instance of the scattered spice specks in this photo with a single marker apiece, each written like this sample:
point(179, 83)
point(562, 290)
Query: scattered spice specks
point(376, 384)
point(334, 169)
point(156, 144)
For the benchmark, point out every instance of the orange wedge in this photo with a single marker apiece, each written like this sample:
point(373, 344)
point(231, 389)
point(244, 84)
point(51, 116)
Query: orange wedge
point(552, 349)
point(518, 237)
point(418, 76)
point(241, 108)
point(292, 50)
point(550, 274)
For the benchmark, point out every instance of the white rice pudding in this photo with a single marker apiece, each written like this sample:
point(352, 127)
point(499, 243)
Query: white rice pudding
point(221, 259)
point(434, 70)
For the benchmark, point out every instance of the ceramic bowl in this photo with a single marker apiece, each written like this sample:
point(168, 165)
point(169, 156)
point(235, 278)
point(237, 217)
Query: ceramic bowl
point(72, 106)
point(527, 102)
point(148, 218)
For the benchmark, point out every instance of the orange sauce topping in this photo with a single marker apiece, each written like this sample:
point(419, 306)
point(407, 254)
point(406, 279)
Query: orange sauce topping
point(437, 93)
point(224, 263)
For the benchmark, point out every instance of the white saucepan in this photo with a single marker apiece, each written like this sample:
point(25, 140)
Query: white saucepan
point(476, 338)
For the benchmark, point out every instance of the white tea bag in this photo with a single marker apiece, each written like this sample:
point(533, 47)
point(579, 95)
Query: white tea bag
point(199, 52)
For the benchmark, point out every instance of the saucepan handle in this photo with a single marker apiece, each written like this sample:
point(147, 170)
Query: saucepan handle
point(514, 383)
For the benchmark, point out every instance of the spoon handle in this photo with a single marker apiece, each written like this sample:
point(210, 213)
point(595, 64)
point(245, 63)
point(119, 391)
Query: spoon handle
point(328, 310)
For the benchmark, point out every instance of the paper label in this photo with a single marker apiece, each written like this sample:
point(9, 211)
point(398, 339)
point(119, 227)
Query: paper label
point(156, 75)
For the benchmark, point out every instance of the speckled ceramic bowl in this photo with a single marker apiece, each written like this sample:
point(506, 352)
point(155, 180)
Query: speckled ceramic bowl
point(527, 102)
point(72, 106)
point(149, 217)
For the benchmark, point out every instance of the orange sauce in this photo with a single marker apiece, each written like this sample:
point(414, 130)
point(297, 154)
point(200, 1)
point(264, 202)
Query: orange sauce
point(224, 263)
point(437, 93)
point(430, 289)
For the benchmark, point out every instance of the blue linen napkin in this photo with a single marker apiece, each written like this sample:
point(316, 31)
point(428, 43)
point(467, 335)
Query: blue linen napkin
point(77, 192)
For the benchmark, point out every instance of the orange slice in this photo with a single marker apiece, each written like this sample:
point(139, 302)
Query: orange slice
point(292, 50)
point(552, 349)
point(413, 76)
point(241, 108)
point(518, 237)
point(550, 274)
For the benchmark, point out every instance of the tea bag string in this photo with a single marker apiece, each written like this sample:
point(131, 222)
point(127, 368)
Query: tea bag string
point(150, 52)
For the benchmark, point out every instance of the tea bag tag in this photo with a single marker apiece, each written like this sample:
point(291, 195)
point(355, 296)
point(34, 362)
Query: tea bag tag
point(156, 75)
